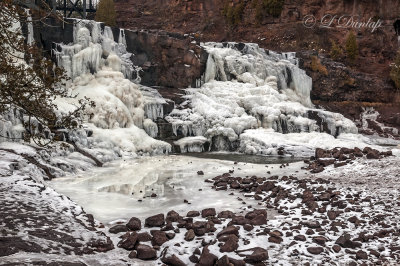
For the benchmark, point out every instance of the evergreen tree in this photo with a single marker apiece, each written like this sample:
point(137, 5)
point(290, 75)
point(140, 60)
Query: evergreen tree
point(106, 12)
point(336, 51)
point(351, 47)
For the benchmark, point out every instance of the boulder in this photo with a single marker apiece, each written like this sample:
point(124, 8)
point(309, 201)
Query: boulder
point(145, 252)
point(134, 224)
point(119, 228)
point(155, 221)
point(208, 212)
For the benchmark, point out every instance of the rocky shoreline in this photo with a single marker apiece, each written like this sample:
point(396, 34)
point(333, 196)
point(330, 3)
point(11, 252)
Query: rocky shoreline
point(312, 220)
point(317, 222)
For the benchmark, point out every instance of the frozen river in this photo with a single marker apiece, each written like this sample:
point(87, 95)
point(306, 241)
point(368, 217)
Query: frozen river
point(123, 189)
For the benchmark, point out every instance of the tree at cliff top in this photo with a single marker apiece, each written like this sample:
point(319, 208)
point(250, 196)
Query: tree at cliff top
point(29, 82)
point(267, 8)
point(106, 12)
point(395, 71)
point(351, 47)
point(336, 52)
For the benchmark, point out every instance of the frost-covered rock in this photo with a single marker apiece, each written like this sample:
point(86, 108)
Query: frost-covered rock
point(249, 88)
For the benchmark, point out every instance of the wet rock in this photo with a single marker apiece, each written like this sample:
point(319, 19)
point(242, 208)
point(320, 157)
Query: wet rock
point(119, 228)
point(275, 239)
point(320, 153)
point(375, 253)
point(320, 240)
point(159, 237)
point(155, 221)
point(145, 252)
point(259, 220)
point(208, 212)
point(189, 236)
point(253, 214)
point(128, 241)
point(231, 243)
point(170, 235)
point(143, 237)
point(361, 255)
point(194, 259)
point(258, 255)
point(300, 238)
point(345, 242)
point(373, 154)
point(173, 261)
point(133, 254)
point(225, 214)
point(315, 250)
point(248, 227)
point(229, 230)
point(134, 224)
point(312, 224)
point(223, 261)
point(168, 227)
point(172, 216)
point(332, 215)
point(207, 258)
point(200, 228)
point(193, 214)
point(336, 248)
point(318, 169)
point(239, 220)
point(340, 164)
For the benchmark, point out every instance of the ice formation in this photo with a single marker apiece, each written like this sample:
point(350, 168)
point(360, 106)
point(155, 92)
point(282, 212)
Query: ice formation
point(246, 87)
point(101, 70)
point(91, 46)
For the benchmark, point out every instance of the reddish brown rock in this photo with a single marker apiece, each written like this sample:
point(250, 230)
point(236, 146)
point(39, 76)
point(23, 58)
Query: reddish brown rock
point(315, 250)
point(207, 258)
point(208, 212)
point(119, 228)
point(173, 261)
point(159, 237)
point(134, 224)
point(155, 221)
point(128, 242)
point(193, 214)
point(229, 230)
point(146, 252)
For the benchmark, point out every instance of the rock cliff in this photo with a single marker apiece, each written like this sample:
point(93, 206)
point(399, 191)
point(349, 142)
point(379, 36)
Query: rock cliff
point(358, 86)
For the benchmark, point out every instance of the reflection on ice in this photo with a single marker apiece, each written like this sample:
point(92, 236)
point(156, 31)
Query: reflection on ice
point(123, 189)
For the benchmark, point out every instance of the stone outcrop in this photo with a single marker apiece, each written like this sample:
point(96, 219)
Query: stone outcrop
point(347, 88)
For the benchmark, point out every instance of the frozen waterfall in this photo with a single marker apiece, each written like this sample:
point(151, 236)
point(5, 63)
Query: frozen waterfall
point(121, 121)
point(247, 88)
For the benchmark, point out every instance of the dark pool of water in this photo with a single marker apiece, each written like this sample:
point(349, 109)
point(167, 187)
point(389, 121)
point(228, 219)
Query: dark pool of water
point(244, 158)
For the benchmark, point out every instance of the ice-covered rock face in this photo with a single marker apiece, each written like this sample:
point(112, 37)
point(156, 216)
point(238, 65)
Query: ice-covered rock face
point(94, 48)
point(101, 69)
point(245, 88)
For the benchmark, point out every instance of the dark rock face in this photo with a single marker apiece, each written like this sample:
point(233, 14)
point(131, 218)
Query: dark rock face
point(167, 59)
point(353, 86)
